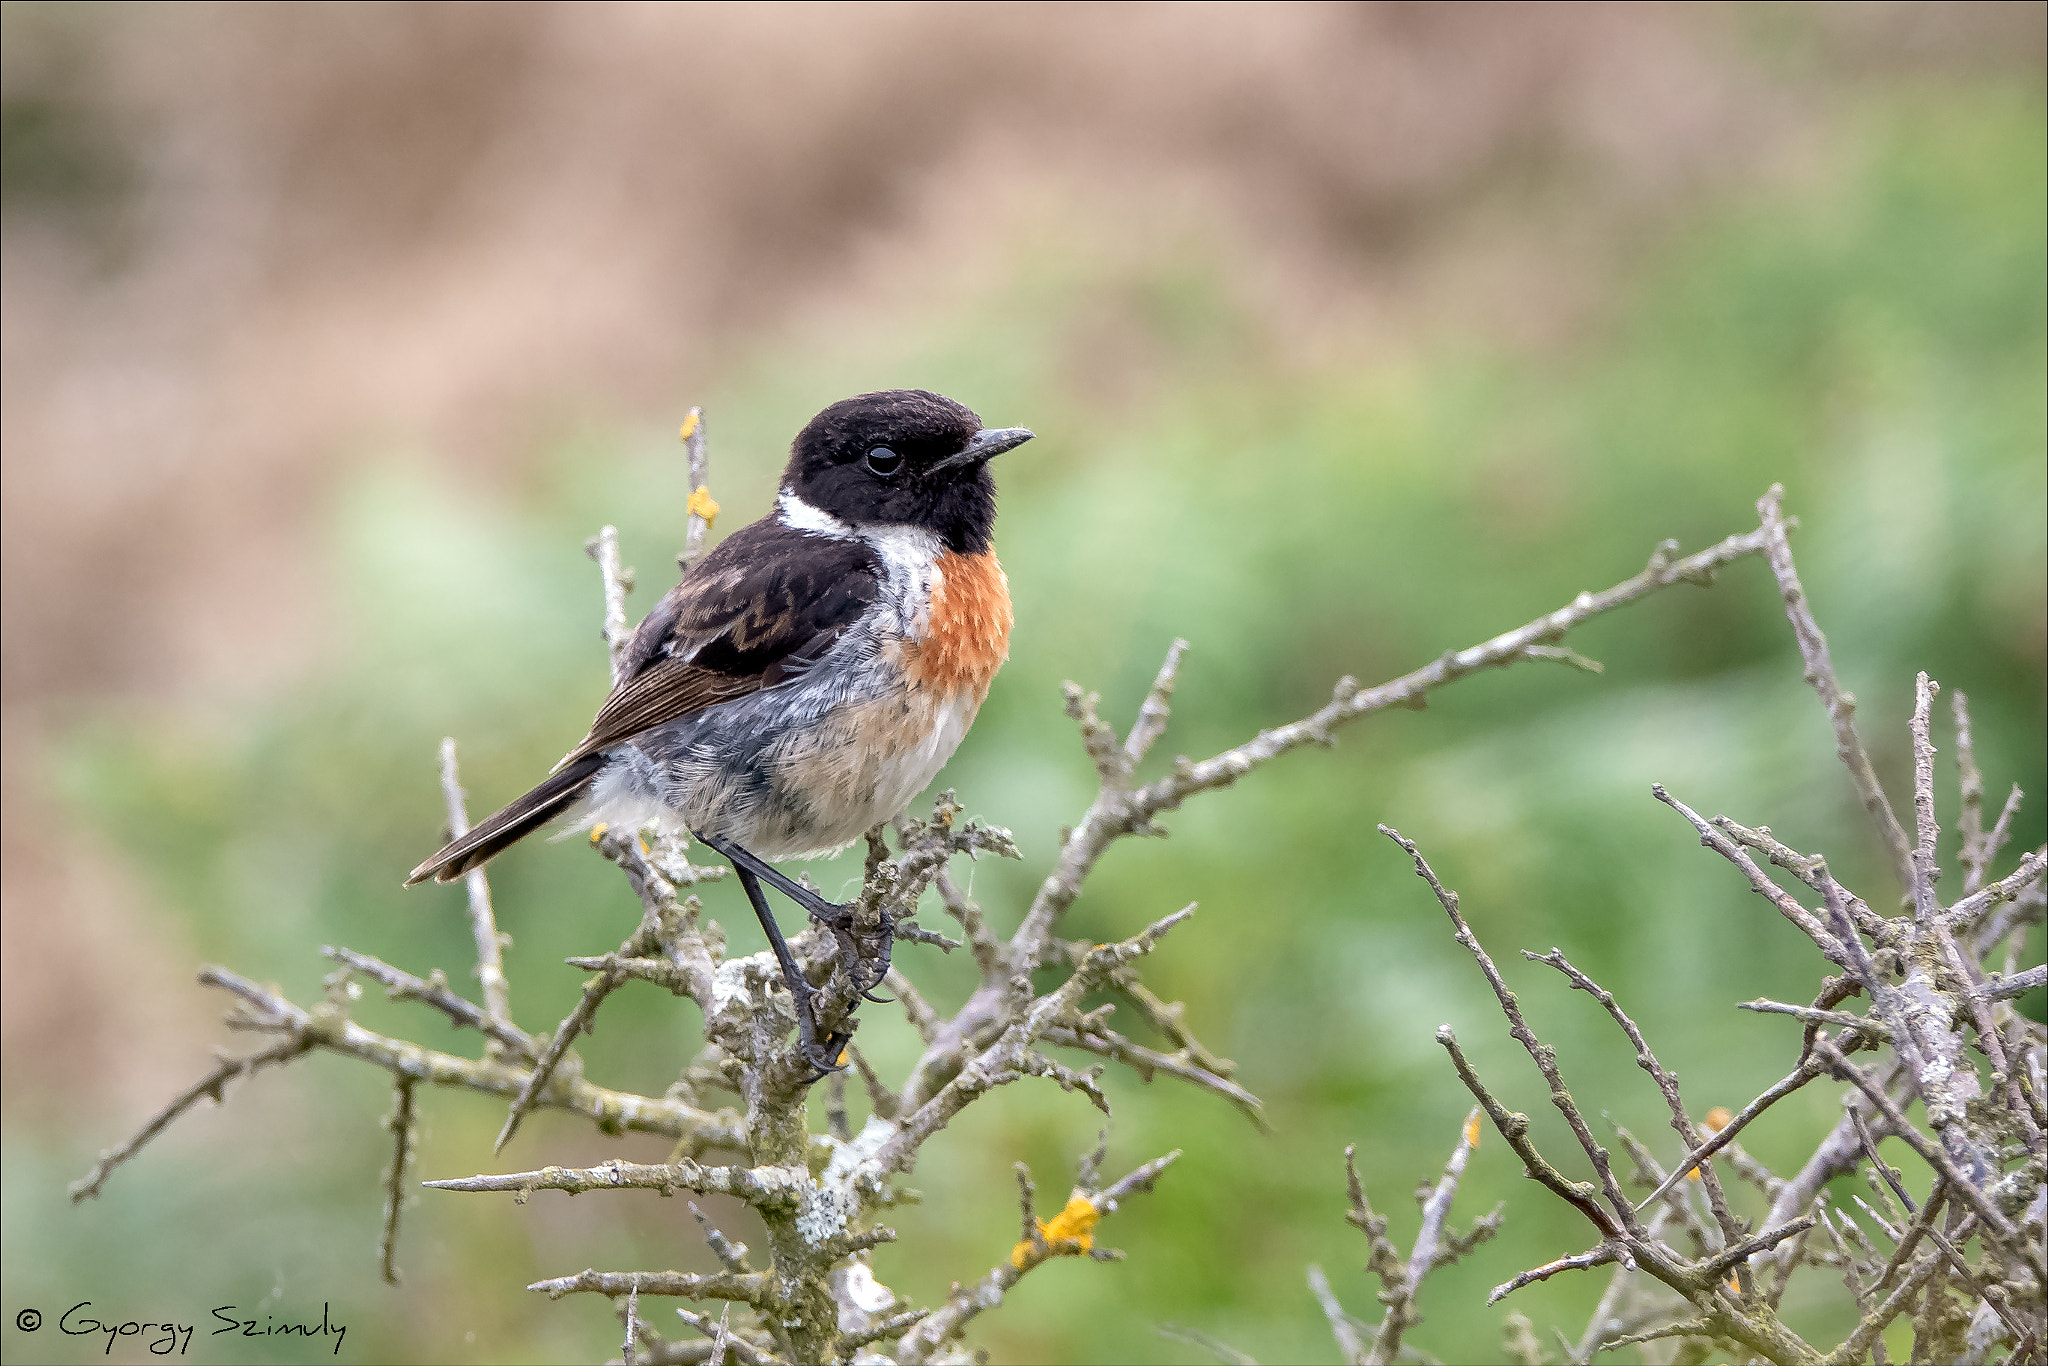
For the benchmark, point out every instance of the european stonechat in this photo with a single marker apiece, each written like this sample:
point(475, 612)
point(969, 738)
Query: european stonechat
point(808, 677)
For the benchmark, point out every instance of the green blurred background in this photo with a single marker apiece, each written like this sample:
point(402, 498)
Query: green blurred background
point(1351, 334)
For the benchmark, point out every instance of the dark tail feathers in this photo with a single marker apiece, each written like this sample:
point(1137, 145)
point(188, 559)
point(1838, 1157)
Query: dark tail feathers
point(499, 832)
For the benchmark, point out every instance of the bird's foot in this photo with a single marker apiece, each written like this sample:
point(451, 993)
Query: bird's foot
point(826, 1055)
point(864, 954)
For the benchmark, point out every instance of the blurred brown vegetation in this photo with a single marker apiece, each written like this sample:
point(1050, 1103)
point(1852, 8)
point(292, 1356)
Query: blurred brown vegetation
point(280, 230)
point(247, 246)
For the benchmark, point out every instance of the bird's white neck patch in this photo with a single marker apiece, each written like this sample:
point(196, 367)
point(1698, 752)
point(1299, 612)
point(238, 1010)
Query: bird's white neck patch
point(908, 554)
point(794, 512)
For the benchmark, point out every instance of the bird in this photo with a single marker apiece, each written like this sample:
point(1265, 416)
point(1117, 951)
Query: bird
point(808, 677)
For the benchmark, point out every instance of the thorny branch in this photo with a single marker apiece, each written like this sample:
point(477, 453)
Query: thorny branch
point(1681, 1122)
point(213, 1086)
point(400, 1122)
point(811, 1293)
point(483, 922)
point(434, 991)
point(1436, 1245)
point(1070, 1233)
point(618, 581)
point(1933, 1001)
point(1839, 704)
point(702, 510)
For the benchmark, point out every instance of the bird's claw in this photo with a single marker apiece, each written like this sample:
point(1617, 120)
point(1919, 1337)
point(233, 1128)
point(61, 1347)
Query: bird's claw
point(864, 955)
point(826, 1056)
point(864, 970)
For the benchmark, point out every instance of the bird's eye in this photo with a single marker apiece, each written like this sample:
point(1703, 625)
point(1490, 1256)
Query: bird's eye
point(883, 462)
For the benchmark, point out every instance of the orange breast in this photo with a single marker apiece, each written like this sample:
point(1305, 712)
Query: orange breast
point(968, 636)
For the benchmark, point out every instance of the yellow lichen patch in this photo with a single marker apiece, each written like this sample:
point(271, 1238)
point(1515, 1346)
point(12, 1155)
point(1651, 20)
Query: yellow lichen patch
point(1069, 1233)
point(702, 504)
point(689, 425)
point(1472, 1132)
point(597, 832)
point(1076, 1224)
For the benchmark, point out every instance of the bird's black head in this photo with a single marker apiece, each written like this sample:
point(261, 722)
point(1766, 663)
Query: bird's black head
point(903, 456)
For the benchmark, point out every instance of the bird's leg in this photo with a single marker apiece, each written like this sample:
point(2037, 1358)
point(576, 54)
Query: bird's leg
point(823, 1056)
point(865, 970)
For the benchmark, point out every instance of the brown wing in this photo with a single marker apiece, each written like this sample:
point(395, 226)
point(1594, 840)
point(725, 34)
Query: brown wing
point(757, 611)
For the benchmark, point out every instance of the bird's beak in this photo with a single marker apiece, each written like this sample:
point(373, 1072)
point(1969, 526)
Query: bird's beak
point(988, 442)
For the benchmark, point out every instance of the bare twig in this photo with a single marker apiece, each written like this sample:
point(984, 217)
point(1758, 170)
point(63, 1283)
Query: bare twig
point(703, 511)
point(1934, 1235)
point(2019, 984)
point(1119, 811)
point(1215, 1347)
point(1735, 1311)
point(1809, 869)
point(892, 1327)
point(1858, 1342)
point(609, 1109)
point(1837, 1153)
point(1875, 1029)
point(1902, 1251)
point(604, 548)
point(761, 1187)
point(1650, 1172)
point(1681, 1122)
point(1343, 1327)
point(732, 1255)
point(1995, 1223)
point(1999, 836)
point(1599, 1256)
point(434, 991)
point(1740, 1121)
point(1691, 1328)
point(1107, 1043)
point(1606, 1319)
point(1624, 1217)
point(1732, 1256)
point(723, 1340)
point(1820, 673)
point(1518, 1341)
point(1961, 916)
point(719, 1285)
point(658, 897)
point(1927, 831)
point(1382, 1259)
point(212, 1086)
point(1422, 1258)
point(1760, 882)
point(400, 1123)
point(578, 1020)
point(483, 922)
point(1001, 1060)
point(1071, 1233)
